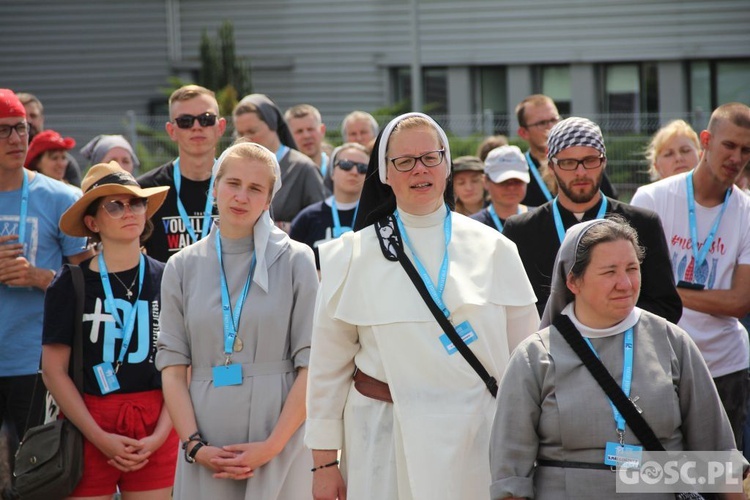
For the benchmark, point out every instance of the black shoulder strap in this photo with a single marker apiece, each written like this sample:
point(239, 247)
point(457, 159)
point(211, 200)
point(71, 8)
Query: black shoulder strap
point(390, 243)
point(625, 406)
point(77, 357)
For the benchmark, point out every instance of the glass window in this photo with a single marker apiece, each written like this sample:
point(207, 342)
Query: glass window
point(700, 86)
point(555, 83)
point(493, 103)
point(621, 89)
point(434, 89)
point(733, 82)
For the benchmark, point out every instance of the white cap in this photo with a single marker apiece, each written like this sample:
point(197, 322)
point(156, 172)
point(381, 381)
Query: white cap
point(506, 162)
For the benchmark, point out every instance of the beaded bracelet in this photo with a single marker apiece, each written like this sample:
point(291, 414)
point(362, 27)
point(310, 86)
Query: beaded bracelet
point(335, 462)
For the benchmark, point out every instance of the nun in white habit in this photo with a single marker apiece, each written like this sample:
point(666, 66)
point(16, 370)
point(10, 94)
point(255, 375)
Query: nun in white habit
point(413, 421)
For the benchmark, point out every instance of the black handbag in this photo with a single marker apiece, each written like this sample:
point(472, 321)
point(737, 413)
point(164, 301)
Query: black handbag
point(49, 460)
point(614, 392)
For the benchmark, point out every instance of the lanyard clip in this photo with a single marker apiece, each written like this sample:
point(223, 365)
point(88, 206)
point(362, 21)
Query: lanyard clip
point(117, 367)
point(227, 359)
point(621, 436)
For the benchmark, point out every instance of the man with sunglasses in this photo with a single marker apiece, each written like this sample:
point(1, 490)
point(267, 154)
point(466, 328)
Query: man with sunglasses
point(577, 159)
point(186, 215)
point(334, 216)
point(536, 115)
point(32, 249)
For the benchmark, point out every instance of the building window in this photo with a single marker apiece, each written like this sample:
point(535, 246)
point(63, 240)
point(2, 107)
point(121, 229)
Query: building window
point(554, 82)
point(493, 99)
point(630, 97)
point(434, 89)
point(713, 83)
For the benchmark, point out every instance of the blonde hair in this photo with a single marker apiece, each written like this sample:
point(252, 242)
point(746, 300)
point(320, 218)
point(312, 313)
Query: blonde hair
point(242, 149)
point(662, 136)
point(412, 123)
point(187, 92)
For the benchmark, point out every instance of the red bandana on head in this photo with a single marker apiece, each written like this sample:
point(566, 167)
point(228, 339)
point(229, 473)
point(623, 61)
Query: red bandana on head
point(10, 105)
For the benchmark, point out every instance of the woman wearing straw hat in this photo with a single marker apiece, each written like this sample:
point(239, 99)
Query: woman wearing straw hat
point(237, 309)
point(129, 440)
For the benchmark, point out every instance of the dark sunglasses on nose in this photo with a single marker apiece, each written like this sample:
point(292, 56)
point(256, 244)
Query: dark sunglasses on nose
point(204, 120)
point(347, 165)
point(116, 208)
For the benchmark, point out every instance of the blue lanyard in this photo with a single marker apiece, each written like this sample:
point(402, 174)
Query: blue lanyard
point(538, 177)
point(558, 220)
point(700, 257)
point(496, 219)
point(128, 326)
point(281, 152)
point(627, 375)
point(24, 209)
point(181, 208)
point(230, 316)
point(435, 292)
point(338, 230)
point(323, 163)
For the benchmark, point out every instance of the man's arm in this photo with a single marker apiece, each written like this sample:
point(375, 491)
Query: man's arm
point(732, 302)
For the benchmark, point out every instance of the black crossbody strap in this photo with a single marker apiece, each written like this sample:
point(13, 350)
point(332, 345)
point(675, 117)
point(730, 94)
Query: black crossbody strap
point(625, 406)
point(390, 242)
point(77, 357)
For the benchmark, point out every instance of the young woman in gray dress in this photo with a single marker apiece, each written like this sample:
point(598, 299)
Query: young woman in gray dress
point(553, 420)
point(237, 309)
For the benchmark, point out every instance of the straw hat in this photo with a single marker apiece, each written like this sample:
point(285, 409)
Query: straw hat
point(107, 179)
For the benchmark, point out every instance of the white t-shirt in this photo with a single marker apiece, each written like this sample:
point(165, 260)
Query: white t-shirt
point(722, 340)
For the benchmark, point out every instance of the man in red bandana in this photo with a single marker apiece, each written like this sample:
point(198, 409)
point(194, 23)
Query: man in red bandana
point(32, 249)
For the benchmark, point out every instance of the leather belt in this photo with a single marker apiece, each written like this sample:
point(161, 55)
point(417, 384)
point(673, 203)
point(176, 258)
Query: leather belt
point(371, 387)
point(573, 465)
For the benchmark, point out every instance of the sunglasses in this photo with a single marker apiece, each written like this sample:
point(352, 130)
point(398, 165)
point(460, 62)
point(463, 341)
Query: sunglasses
point(204, 120)
point(116, 208)
point(347, 165)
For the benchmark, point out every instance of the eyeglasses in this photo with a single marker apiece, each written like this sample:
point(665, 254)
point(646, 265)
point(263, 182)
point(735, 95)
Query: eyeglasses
point(204, 120)
point(22, 129)
point(116, 208)
point(429, 159)
point(589, 163)
point(347, 165)
point(544, 123)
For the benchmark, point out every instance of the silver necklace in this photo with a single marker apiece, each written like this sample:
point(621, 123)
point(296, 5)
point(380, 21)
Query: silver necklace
point(128, 289)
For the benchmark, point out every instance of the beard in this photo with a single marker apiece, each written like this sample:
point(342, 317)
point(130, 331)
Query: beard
point(577, 196)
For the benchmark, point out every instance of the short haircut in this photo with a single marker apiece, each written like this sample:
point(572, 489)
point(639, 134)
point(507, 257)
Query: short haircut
point(734, 112)
point(664, 134)
point(187, 92)
point(301, 111)
point(490, 143)
point(357, 116)
point(532, 100)
point(27, 98)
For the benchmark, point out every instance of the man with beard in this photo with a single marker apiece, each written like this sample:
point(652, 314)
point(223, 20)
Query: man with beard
point(707, 223)
point(536, 115)
point(577, 158)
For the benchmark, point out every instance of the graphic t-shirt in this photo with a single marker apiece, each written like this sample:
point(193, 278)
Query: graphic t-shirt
point(102, 338)
point(722, 340)
point(21, 308)
point(314, 224)
point(170, 234)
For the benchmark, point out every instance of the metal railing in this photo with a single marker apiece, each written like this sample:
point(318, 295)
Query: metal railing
point(626, 137)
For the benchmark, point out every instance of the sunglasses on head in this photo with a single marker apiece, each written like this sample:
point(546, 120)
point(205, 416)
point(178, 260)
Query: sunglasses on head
point(204, 120)
point(116, 208)
point(347, 165)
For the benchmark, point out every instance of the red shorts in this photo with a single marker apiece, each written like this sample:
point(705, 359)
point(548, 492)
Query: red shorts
point(134, 415)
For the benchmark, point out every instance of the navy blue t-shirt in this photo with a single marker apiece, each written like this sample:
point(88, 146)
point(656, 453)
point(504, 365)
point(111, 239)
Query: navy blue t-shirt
point(314, 225)
point(101, 336)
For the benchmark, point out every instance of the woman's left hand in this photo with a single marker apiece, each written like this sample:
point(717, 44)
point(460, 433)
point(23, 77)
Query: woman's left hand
point(248, 455)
